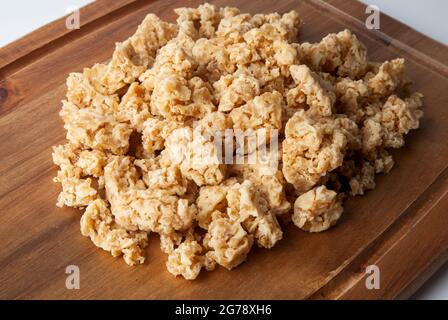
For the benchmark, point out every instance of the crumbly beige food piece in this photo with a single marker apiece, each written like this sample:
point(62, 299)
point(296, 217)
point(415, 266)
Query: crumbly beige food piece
point(364, 178)
point(386, 78)
point(198, 158)
point(229, 243)
point(98, 224)
point(83, 89)
point(385, 126)
point(242, 202)
point(176, 97)
point(175, 92)
point(233, 92)
point(92, 162)
point(199, 22)
point(136, 206)
point(264, 111)
point(170, 241)
point(249, 207)
point(267, 179)
point(75, 168)
point(161, 138)
point(166, 179)
point(341, 53)
point(155, 132)
point(202, 163)
point(211, 199)
point(95, 127)
point(351, 94)
point(133, 56)
point(89, 116)
point(245, 45)
point(76, 192)
point(312, 147)
point(134, 107)
point(187, 260)
point(175, 58)
point(317, 210)
point(214, 124)
point(350, 130)
point(311, 89)
point(257, 122)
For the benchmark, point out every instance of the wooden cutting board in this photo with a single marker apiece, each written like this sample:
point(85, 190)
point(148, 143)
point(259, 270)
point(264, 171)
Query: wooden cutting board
point(401, 226)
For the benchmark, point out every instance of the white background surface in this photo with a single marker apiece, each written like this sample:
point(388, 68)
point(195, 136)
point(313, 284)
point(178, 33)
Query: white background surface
point(19, 17)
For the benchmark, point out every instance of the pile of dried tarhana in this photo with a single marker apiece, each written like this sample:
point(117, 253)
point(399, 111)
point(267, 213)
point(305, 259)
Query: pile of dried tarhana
point(140, 159)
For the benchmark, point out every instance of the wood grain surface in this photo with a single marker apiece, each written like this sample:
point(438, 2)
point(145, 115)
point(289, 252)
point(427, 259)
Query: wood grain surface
point(401, 226)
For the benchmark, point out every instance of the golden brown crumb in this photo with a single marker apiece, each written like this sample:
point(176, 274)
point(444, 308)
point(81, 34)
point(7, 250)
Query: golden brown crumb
point(229, 243)
point(98, 223)
point(317, 210)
